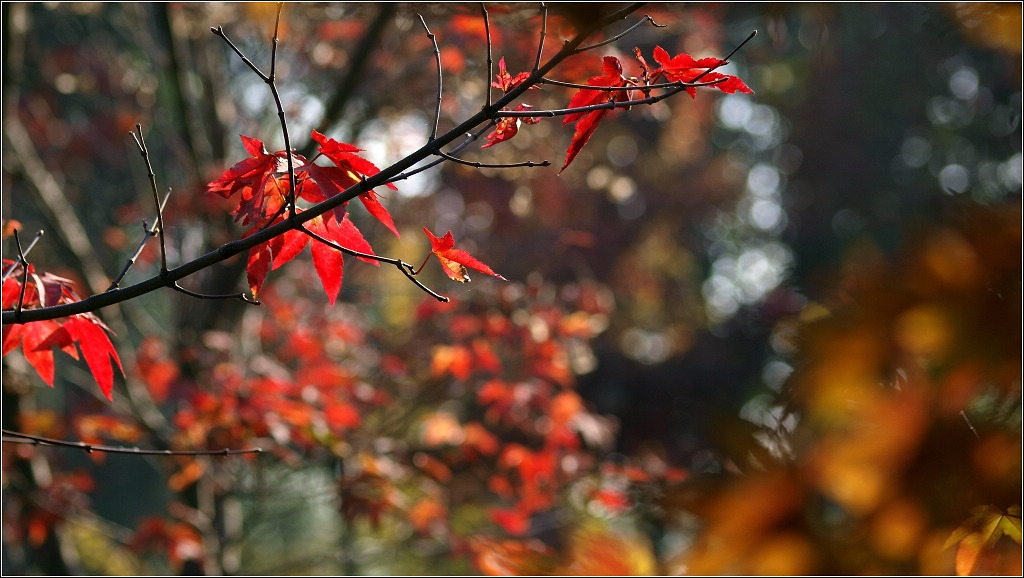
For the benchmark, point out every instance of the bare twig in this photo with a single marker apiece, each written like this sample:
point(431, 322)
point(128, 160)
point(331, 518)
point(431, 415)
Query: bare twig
point(140, 142)
point(723, 61)
point(147, 233)
point(240, 295)
point(968, 422)
point(593, 107)
point(490, 58)
point(646, 18)
point(24, 275)
point(404, 267)
point(529, 164)
point(543, 34)
point(437, 57)
point(21, 438)
point(644, 87)
point(21, 255)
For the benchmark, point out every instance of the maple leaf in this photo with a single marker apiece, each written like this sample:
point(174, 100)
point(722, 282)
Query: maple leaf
point(455, 261)
point(327, 260)
point(506, 81)
point(508, 127)
point(260, 181)
point(587, 122)
point(980, 533)
point(684, 68)
point(353, 169)
point(38, 338)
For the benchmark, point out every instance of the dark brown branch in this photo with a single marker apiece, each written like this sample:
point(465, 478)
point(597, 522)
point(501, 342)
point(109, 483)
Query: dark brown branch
point(387, 175)
point(20, 438)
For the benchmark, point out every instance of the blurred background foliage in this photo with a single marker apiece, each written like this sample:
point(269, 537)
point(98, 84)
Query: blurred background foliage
point(769, 333)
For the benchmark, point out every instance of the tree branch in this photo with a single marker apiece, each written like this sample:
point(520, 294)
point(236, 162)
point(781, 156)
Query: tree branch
point(387, 175)
point(20, 438)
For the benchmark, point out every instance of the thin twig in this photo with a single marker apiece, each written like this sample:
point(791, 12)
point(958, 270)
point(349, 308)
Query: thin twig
point(469, 139)
point(723, 61)
point(529, 164)
point(490, 59)
point(219, 31)
point(10, 269)
point(404, 267)
point(600, 106)
point(973, 431)
point(140, 141)
point(21, 438)
point(437, 57)
point(147, 233)
point(240, 295)
point(543, 34)
point(24, 276)
point(646, 18)
point(644, 87)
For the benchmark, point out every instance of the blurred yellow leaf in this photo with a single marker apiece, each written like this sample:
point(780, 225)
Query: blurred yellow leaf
point(980, 533)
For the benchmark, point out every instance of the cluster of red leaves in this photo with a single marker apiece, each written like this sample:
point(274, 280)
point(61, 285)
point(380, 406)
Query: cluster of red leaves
point(508, 127)
point(263, 186)
point(681, 68)
point(37, 339)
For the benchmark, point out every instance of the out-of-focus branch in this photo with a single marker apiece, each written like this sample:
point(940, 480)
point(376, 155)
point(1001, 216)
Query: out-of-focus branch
point(66, 222)
point(357, 64)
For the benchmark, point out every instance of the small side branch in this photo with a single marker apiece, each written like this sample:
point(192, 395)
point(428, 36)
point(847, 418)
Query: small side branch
point(490, 58)
point(646, 18)
point(20, 438)
point(240, 295)
point(24, 276)
point(543, 34)
point(968, 422)
point(723, 61)
point(437, 57)
point(477, 165)
point(404, 267)
point(21, 255)
point(140, 142)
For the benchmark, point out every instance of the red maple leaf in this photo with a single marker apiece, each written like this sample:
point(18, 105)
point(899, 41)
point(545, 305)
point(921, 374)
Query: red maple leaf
point(508, 127)
point(353, 169)
point(39, 337)
point(261, 181)
point(588, 121)
point(506, 81)
point(455, 261)
point(327, 260)
point(684, 68)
